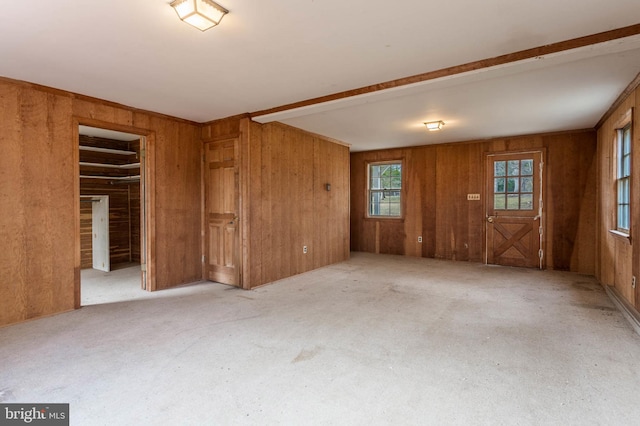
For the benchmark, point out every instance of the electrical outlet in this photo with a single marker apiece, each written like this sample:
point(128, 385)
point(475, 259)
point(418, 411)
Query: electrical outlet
point(633, 281)
point(304, 249)
point(419, 239)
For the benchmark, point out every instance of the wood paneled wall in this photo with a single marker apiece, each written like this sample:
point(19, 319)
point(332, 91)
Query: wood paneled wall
point(618, 257)
point(290, 205)
point(39, 214)
point(437, 179)
point(285, 204)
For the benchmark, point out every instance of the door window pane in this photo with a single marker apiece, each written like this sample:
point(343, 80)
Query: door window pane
point(513, 202)
point(517, 183)
point(514, 168)
point(527, 184)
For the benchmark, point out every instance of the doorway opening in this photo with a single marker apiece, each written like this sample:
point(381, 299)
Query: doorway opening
point(112, 215)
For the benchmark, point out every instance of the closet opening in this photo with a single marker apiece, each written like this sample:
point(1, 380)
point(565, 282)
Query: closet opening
point(112, 215)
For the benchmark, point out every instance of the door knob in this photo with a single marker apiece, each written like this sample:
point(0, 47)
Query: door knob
point(490, 219)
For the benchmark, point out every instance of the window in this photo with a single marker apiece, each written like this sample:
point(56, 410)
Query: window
point(623, 178)
point(513, 182)
point(385, 187)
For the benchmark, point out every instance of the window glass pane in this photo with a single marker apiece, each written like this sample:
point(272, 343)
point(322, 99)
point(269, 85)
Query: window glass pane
point(526, 202)
point(626, 165)
point(393, 206)
point(527, 168)
point(513, 202)
point(498, 185)
point(375, 183)
point(374, 203)
point(499, 168)
point(527, 184)
point(513, 167)
point(623, 191)
point(626, 136)
point(386, 182)
point(385, 203)
point(395, 176)
point(512, 185)
point(499, 202)
point(385, 186)
point(623, 217)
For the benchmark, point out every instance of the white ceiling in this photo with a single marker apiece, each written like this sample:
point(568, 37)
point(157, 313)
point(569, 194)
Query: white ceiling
point(269, 53)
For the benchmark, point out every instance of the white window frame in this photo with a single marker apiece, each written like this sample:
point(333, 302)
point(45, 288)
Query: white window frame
point(370, 190)
point(623, 180)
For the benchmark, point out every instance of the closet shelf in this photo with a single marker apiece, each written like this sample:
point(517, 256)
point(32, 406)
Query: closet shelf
point(106, 150)
point(111, 166)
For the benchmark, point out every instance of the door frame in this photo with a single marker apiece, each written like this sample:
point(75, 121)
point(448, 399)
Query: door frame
point(542, 201)
point(147, 200)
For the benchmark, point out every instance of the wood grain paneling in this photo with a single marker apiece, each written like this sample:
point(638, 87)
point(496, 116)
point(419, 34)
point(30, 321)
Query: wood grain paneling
point(177, 202)
point(284, 180)
point(227, 128)
point(37, 199)
point(437, 180)
point(39, 220)
point(618, 258)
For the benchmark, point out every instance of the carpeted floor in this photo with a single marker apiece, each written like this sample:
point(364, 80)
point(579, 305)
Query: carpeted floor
point(375, 340)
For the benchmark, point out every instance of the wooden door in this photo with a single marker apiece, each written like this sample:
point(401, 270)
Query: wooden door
point(222, 252)
point(514, 228)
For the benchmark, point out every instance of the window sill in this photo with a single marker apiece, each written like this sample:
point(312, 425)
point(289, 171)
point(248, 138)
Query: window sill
point(620, 234)
point(384, 218)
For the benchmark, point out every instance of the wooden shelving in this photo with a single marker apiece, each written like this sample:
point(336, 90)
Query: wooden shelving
point(109, 164)
point(106, 150)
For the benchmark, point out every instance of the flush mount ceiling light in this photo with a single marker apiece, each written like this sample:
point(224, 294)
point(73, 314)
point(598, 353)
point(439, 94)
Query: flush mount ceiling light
point(433, 126)
point(202, 14)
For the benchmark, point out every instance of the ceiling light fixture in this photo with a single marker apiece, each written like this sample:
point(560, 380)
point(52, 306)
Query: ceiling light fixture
point(202, 14)
point(433, 126)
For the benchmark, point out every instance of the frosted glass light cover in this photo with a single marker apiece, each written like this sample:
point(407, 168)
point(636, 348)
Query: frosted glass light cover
point(202, 14)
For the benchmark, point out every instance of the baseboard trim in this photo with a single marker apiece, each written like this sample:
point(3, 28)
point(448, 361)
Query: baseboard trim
point(628, 311)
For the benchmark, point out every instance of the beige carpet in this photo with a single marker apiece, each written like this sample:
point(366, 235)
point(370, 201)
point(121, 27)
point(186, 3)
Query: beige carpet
point(375, 340)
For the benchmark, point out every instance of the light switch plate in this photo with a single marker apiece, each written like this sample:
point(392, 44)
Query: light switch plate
point(473, 197)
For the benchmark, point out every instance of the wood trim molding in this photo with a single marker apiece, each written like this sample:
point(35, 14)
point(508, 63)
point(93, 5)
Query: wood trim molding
point(80, 97)
point(470, 66)
point(233, 117)
point(627, 310)
point(316, 135)
point(619, 101)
